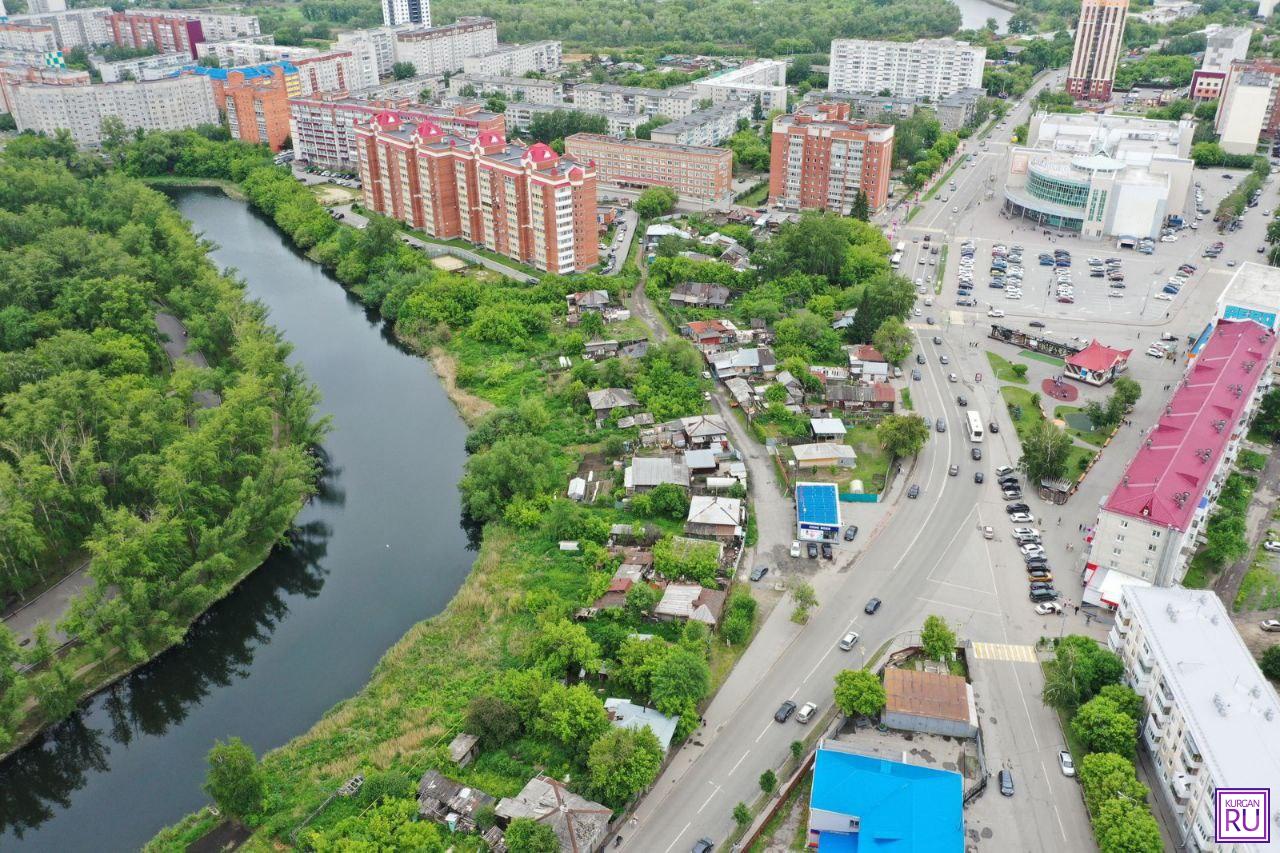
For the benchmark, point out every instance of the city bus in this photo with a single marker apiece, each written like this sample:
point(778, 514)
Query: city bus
point(975, 426)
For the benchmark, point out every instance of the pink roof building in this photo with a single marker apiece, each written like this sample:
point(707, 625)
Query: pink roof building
point(1098, 363)
point(1148, 524)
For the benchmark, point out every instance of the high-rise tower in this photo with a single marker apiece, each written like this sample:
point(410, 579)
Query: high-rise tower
point(1099, 39)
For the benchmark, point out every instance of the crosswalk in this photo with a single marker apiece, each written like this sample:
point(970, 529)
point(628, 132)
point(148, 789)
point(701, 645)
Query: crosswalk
point(1005, 651)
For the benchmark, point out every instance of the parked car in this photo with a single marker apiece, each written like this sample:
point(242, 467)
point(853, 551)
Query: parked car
point(1271, 625)
point(851, 533)
point(1065, 764)
point(913, 492)
point(703, 845)
point(848, 641)
point(872, 606)
point(940, 425)
point(1021, 518)
point(1012, 508)
point(1003, 470)
point(758, 573)
point(807, 710)
point(795, 548)
point(1048, 608)
point(827, 553)
point(813, 550)
point(1036, 324)
point(978, 477)
point(915, 374)
point(785, 711)
point(1006, 782)
point(1271, 545)
point(919, 358)
point(962, 400)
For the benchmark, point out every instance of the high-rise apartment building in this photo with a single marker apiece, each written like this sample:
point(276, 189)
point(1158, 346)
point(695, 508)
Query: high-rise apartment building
point(443, 49)
point(164, 33)
point(255, 100)
point(216, 26)
point(694, 172)
point(13, 75)
point(529, 204)
point(926, 68)
point(396, 12)
point(374, 48)
point(28, 38)
point(1099, 40)
point(73, 27)
point(516, 60)
point(820, 158)
point(1246, 109)
point(38, 7)
point(173, 103)
point(1223, 46)
point(762, 80)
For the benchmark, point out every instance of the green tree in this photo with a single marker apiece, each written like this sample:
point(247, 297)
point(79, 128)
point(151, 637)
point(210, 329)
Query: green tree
point(1129, 702)
point(805, 600)
point(494, 720)
point(525, 835)
point(1107, 776)
point(641, 599)
point(571, 715)
point(562, 647)
point(403, 70)
point(681, 679)
point(392, 824)
point(893, 340)
point(1045, 449)
point(514, 466)
point(1270, 663)
point(12, 685)
point(902, 435)
point(655, 201)
point(768, 781)
point(937, 639)
point(235, 779)
point(741, 814)
point(859, 693)
point(1103, 727)
point(622, 763)
point(861, 208)
point(1122, 826)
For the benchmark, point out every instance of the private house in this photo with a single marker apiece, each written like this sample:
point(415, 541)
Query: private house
point(737, 257)
point(827, 429)
point(875, 397)
point(1097, 364)
point(829, 373)
point(658, 230)
point(714, 517)
point(867, 364)
point(700, 462)
point(443, 800)
point(741, 392)
point(710, 334)
point(685, 601)
point(844, 319)
point(648, 472)
point(702, 430)
point(749, 361)
point(625, 714)
point(615, 597)
point(587, 300)
point(864, 803)
point(599, 350)
point(700, 294)
point(637, 563)
point(931, 702)
point(464, 749)
point(824, 455)
point(579, 824)
point(795, 391)
point(608, 400)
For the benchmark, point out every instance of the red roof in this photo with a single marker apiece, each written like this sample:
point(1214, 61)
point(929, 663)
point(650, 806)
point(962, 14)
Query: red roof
point(1098, 358)
point(884, 392)
point(540, 152)
point(699, 328)
point(866, 352)
point(1165, 480)
point(387, 120)
point(620, 584)
point(429, 128)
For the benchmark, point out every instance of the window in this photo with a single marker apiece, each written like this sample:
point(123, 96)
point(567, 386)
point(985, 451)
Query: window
point(1151, 548)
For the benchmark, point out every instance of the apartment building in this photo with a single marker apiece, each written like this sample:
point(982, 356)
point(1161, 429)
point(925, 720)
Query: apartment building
point(520, 115)
point(443, 49)
point(1148, 526)
point(1246, 106)
point(40, 6)
point(374, 48)
point(762, 80)
point(417, 12)
point(1223, 46)
point(72, 27)
point(821, 157)
point(515, 60)
point(1211, 719)
point(529, 204)
point(255, 99)
point(926, 68)
point(1099, 41)
point(173, 103)
point(163, 33)
point(332, 71)
point(695, 172)
point(16, 74)
point(142, 68)
point(30, 38)
point(252, 52)
point(705, 127)
point(522, 89)
point(608, 98)
point(323, 126)
point(216, 26)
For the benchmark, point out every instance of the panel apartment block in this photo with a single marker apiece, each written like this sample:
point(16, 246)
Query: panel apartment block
point(406, 12)
point(73, 27)
point(1099, 40)
point(694, 172)
point(927, 68)
point(163, 33)
point(30, 38)
point(216, 26)
point(175, 103)
point(252, 51)
point(514, 60)
point(608, 98)
point(522, 89)
point(820, 158)
point(142, 68)
point(763, 80)
point(13, 75)
point(529, 204)
point(520, 116)
point(705, 127)
point(443, 49)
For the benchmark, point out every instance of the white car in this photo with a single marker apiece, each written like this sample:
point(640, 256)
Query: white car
point(988, 532)
point(1013, 294)
point(1169, 238)
point(1048, 608)
point(1065, 763)
point(1271, 545)
point(1032, 550)
point(1155, 352)
point(1164, 297)
point(951, 377)
point(1026, 531)
point(848, 641)
point(807, 711)
point(1021, 518)
point(795, 547)
point(996, 312)
point(1115, 294)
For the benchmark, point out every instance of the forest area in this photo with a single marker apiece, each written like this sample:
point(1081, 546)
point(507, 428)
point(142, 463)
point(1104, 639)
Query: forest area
point(107, 456)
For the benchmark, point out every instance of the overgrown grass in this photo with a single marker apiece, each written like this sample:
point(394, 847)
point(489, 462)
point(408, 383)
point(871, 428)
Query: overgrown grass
point(755, 196)
point(872, 467)
point(906, 399)
point(1003, 369)
point(1259, 588)
point(942, 269)
point(1200, 572)
point(1047, 359)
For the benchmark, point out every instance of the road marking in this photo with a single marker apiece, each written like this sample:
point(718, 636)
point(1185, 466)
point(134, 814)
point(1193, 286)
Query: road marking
point(960, 606)
point(961, 586)
point(964, 525)
point(677, 838)
point(765, 732)
point(1005, 651)
point(815, 667)
point(709, 798)
point(1031, 724)
point(740, 760)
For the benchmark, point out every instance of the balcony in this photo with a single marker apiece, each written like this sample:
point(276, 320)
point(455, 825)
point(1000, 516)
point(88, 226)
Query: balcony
point(1152, 732)
point(1162, 698)
point(1145, 658)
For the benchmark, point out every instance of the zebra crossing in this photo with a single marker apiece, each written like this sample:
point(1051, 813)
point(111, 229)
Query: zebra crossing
point(1005, 651)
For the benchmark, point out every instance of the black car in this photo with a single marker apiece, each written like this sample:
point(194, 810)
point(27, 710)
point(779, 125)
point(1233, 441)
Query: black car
point(919, 358)
point(937, 341)
point(976, 453)
point(1038, 595)
point(994, 427)
point(940, 425)
point(703, 845)
point(1006, 783)
point(851, 533)
point(962, 400)
point(978, 477)
point(1036, 324)
point(1012, 508)
point(1008, 479)
point(872, 606)
point(759, 572)
point(1036, 561)
point(826, 551)
point(784, 713)
point(813, 550)
point(913, 492)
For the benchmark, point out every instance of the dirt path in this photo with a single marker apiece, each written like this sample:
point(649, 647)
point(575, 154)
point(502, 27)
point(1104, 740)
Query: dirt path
point(178, 348)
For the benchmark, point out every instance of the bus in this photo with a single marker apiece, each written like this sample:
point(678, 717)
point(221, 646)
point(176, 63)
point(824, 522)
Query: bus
point(975, 426)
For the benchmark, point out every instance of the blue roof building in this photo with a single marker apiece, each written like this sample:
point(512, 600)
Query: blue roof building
point(861, 804)
point(249, 71)
point(817, 509)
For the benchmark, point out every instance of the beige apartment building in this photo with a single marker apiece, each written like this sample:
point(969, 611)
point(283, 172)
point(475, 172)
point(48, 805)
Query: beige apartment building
point(695, 172)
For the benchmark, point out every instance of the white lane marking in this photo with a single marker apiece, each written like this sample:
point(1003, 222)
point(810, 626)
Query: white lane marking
point(765, 732)
point(709, 798)
point(1031, 725)
point(961, 529)
point(961, 586)
point(740, 760)
point(815, 666)
point(961, 606)
point(677, 838)
point(1004, 628)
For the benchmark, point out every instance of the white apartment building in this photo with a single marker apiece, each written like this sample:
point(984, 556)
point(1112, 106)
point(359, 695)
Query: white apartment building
point(216, 26)
point(524, 89)
point(763, 80)
point(251, 52)
point(142, 68)
point(1148, 527)
point(1212, 720)
point(28, 38)
point(36, 7)
point(520, 114)
point(608, 98)
point(1224, 45)
point(174, 103)
point(416, 12)
point(13, 75)
point(1243, 109)
point(73, 27)
point(927, 68)
point(704, 127)
point(514, 60)
point(374, 49)
point(443, 49)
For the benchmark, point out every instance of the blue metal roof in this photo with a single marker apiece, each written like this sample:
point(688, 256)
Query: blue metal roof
point(818, 503)
point(913, 809)
point(249, 71)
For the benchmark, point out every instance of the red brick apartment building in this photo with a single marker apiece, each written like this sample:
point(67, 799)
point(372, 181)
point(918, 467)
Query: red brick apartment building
point(165, 34)
point(820, 158)
point(529, 204)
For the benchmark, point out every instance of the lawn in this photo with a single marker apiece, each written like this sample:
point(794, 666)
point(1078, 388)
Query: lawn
point(1003, 369)
point(1073, 416)
point(873, 460)
point(1077, 459)
point(1260, 587)
point(942, 270)
point(756, 196)
point(1047, 359)
point(1200, 573)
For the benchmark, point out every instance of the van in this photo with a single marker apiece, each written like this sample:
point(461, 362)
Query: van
point(1006, 783)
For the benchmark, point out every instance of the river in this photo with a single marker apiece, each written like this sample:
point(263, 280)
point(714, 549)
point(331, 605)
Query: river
point(380, 548)
point(974, 14)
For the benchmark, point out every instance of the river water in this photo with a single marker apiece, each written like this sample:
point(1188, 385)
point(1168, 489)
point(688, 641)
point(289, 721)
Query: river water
point(974, 14)
point(380, 548)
